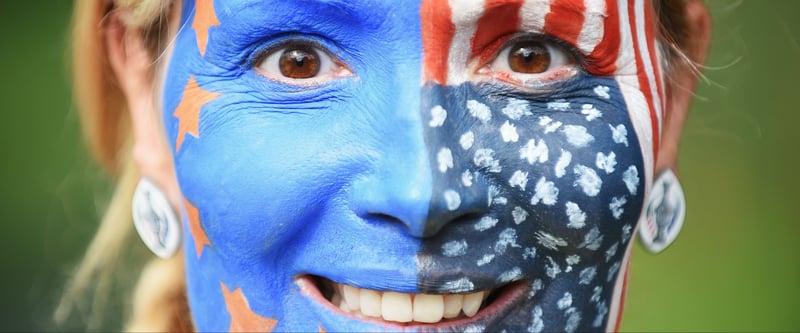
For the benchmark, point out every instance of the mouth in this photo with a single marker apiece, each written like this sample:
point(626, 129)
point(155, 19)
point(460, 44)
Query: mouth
point(406, 310)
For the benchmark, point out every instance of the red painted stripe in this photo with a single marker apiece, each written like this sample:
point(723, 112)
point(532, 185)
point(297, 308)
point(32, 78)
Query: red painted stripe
point(565, 20)
point(649, 13)
point(623, 295)
point(644, 82)
point(603, 59)
point(500, 19)
point(437, 34)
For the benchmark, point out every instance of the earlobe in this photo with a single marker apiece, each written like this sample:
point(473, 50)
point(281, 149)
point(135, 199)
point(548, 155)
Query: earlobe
point(684, 73)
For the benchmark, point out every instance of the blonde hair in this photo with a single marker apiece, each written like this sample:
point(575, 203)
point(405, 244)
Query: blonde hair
point(159, 299)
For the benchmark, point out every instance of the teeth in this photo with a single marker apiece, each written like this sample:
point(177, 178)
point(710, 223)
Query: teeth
point(396, 307)
point(452, 305)
point(370, 303)
point(352, 297)
point(428, 308)
point(405, 308)
point(472, 302)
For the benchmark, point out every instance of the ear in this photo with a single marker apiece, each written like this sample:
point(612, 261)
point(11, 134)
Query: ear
point(134, 69)
point(683, 80)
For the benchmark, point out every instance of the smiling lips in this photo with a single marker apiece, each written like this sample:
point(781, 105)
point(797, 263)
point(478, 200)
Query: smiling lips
point(405, 308)
point(403, 311)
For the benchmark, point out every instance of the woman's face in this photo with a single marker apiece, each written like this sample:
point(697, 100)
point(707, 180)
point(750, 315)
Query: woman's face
point(383, 165)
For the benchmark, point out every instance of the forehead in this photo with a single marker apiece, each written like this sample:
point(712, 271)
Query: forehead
point(458, 12)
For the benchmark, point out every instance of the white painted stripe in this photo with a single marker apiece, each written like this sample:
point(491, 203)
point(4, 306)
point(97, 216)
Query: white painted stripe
point(592, 32)
point(640, 117)
point(639, 111)
point(646, 63)
point(532, 15)
point(465, 15)
point(628, 80)
point(626, 59)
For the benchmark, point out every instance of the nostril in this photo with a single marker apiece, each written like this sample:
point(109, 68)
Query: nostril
point(386, 218)
point(436, 222)
point(394, 199)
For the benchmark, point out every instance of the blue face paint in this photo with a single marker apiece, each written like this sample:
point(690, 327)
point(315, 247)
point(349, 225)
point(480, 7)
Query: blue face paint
point(284, 178)
point(376, 181)
point(547, 194)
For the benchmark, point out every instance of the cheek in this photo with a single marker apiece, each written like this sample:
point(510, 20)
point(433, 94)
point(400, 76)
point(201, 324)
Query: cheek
point(557, 186)
point(554, 189)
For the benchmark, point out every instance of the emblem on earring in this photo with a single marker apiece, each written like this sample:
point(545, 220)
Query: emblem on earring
point(664, 213)
point(155, 220)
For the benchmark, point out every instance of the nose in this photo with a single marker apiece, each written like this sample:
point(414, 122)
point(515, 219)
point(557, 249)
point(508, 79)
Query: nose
point(406, 190)
point(422, 176)
point(396, 187)
point(459, 188)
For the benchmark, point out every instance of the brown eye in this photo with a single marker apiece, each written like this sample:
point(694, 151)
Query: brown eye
point(299, 62)
point(531, 63)
point(528, 57)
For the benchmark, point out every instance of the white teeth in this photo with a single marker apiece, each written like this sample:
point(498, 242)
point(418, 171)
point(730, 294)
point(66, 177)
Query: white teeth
point(343, 306)
point(405, 308)
point(452, 305)
point(428, 308)
point(396, 307)
point(370, 303)
point(472, 302)
point(352, 297)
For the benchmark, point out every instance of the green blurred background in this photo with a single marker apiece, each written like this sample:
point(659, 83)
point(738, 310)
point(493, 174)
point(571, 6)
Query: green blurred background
point(736, 266)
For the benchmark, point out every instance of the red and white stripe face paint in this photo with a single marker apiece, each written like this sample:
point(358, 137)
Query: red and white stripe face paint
point(615, 39)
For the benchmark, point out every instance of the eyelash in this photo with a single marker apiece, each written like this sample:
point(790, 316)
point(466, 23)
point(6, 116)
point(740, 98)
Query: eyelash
point(568, 60)
point(268, 63)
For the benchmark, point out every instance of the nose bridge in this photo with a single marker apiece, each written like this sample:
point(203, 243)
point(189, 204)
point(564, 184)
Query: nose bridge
point(458, 190)
point(398, 187)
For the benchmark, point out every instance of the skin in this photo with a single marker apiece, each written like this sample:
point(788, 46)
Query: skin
point(344, 176)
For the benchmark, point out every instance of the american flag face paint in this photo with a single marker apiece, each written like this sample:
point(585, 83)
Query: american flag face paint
point(414, 161)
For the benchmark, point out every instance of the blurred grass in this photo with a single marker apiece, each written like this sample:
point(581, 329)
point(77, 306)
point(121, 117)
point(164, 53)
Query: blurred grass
point(50, 194)
point(736, 267)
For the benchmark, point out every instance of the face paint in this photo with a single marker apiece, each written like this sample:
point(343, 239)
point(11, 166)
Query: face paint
point(409, 162)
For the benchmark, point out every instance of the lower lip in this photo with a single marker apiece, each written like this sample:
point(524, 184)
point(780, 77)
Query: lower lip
point(508, 298)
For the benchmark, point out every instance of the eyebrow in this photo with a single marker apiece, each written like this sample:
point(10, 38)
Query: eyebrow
point(500, 17)
point(246, 24)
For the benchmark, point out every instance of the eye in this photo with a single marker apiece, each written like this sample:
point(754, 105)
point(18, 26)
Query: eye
point(528, 57)
point(300, 64)
point(531, 62)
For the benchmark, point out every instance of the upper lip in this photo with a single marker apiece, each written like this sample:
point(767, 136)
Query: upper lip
point(503, 299)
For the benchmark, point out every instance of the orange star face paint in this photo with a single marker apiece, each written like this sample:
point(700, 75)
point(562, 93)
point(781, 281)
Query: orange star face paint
point(204, 18)
point(188, 111)
point(243, 319)
point(430, 166)
point(196, 230)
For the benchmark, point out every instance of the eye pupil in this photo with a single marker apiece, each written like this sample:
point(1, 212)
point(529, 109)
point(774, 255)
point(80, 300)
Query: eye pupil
point(529, 57)
point(300, 62)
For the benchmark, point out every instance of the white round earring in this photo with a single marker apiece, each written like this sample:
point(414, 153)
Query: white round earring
point(662, 219)
point(155, 220)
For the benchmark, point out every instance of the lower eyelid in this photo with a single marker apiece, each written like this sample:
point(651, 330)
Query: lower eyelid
point(566, 68)
point(267, 65)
